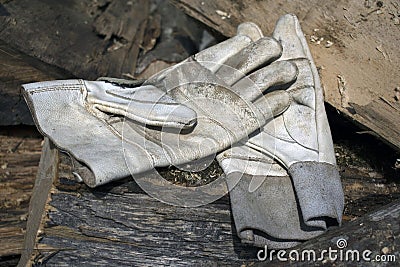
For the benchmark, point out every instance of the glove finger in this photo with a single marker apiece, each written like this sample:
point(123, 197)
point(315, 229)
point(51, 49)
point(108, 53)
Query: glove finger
point(278, 73)
point(288, 33)
point(316, 133)
point(213, 57)
point(253, 56)
point(251, 30)
point(273, 104)
point(146, 104)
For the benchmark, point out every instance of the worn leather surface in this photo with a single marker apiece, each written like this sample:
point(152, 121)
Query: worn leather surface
point(290, 190)
point(58, 109)
point(189, 111)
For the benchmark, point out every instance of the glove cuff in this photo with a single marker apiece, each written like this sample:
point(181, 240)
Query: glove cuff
point(270, 215)
point(319, 191)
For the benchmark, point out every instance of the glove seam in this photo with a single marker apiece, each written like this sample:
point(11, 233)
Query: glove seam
point(231, 156)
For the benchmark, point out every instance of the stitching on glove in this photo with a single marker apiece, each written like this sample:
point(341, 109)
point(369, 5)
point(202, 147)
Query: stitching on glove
point(52, 88)
point(249, 158)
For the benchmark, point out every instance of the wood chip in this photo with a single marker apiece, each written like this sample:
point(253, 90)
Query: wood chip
point(223, 14)
point(328, 44)
point(342, 91)
point(381, 49)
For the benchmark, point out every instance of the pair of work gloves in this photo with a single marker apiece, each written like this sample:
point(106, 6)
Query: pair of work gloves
point(254, 102)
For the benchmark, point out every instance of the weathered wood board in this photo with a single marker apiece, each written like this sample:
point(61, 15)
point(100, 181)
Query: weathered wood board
point(19, 157)
point(84, 38)
point(362, 164)
point(47, 172)
point(119, 224)
point(378, 233)
point(87, 38)
point(16, 68)
point(354, 44)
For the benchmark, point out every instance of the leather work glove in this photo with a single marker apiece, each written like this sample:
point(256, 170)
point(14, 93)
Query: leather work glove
point(180, 115)
point(283, 181)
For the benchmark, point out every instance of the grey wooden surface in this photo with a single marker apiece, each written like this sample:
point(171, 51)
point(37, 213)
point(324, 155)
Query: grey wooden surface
point(119, 224)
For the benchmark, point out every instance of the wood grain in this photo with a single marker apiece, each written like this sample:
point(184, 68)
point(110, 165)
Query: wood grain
point(16, 68)
point(118, 224)
point(47, 172)
point(378, 232)
point(19, 158)
point(87, 38)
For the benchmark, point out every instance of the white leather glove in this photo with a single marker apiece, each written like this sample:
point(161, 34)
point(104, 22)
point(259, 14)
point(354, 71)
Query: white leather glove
point(183, 114)
point(269, 207)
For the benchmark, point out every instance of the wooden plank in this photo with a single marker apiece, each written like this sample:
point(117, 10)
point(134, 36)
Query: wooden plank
point(16, 68)
point(120, 224)
point(382, 117)
point(88, 39)
point(47, 172)
point(377, 232)
point(19, 157)
point(11, 238)
point(362, 50)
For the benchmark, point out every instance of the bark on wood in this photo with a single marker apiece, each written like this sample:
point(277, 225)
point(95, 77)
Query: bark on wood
point(348, 38)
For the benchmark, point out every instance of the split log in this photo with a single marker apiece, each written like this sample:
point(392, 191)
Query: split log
point(354, 44)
